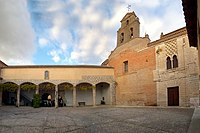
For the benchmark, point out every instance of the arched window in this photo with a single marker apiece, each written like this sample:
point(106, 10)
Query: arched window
point(175, 61)
point(125, 66)
point(127, 22)
point(122, 37)
point(131, 32)
point(168, 63)
point(46, 75)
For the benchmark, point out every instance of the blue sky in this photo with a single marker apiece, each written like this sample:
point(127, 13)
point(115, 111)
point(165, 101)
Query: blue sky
point(71, 32)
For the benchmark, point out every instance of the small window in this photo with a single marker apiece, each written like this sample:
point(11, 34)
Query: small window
point(168, 63)
point(127, 22)
point(46, 75)
point(125, 66)
point(122, 37)
point(131, 32)
point(175, 61)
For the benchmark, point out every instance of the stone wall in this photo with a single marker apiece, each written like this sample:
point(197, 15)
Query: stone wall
point(185, 76)
point(135, 87)
point(55, 73)
point(58, 75)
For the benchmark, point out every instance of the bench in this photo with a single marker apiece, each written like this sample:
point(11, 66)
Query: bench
point(81, 103)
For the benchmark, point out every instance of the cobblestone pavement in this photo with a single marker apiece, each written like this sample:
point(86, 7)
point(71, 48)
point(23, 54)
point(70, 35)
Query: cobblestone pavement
point(95, 119)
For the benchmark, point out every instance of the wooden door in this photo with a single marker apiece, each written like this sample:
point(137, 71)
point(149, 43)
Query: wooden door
point(173, 96)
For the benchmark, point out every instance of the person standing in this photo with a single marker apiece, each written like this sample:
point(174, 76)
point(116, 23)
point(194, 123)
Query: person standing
point(60, 101)
point(49, 100)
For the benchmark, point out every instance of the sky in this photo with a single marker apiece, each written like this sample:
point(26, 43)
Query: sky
point(76, 32)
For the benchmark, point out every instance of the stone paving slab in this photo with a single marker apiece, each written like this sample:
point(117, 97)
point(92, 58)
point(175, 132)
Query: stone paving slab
point(195, 122)
point(94, 119)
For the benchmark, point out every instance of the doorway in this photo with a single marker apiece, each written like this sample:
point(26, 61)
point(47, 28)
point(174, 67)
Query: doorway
point(173, 96)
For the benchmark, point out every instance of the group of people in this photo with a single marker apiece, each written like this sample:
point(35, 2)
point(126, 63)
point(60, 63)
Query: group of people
point(50, 102)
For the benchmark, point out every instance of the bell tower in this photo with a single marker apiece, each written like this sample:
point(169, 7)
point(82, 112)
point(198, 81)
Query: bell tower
point(130, 28)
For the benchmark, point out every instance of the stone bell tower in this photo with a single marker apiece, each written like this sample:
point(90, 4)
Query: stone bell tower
point(130, 28)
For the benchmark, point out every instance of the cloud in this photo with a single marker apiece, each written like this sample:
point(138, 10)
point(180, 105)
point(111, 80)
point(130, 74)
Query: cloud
point(165, 17)
point(148, 3)
point(16, 33)
point(96, 34)
point(55, 55)
point(86, 31)
point(71, 32)
point(43, 42)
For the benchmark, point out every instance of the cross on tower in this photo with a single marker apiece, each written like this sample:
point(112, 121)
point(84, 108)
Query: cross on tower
point(129, 7)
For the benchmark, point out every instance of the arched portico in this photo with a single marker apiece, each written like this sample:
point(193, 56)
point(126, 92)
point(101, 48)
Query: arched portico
point(72, 91)
point(84, 93)
point(46, 89)
point(27, 90)
point(65, 90)
point(10, 94)
point(103, 93)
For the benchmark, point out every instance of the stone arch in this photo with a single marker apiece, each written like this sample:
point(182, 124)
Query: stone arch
point(65, 90)
point(103, 93)
point(84, 93)
point(27, 91)
point(28, 83)
point(9, 93)
point(47, 85)
point(84, 83)
point(46, 89)
point(65, 86)
point(10, 81)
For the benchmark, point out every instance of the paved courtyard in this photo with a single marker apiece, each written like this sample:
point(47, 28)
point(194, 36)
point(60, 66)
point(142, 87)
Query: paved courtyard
point(95, 119)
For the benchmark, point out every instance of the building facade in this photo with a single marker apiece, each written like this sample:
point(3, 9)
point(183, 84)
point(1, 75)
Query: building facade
point(163, 72)
point(133, 64)
point(88, 84)
point(137, 72)
point(176, 73)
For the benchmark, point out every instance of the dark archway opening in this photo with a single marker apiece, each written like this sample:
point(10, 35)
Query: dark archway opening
point(45, 96)
point(9, 97)
point(47, 93)
point(9, 93)
point(27, 90)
